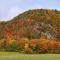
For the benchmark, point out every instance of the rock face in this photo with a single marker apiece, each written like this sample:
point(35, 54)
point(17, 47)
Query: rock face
point(32, 24)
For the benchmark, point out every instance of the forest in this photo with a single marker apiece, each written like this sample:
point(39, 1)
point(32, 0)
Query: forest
point(34, 31)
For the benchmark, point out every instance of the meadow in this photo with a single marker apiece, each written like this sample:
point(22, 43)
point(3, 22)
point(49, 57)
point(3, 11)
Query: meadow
point(19, 56)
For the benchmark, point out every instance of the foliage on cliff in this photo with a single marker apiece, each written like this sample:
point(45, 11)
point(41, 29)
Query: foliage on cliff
point(32, 24)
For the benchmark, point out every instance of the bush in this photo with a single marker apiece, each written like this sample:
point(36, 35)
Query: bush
point(28, 51)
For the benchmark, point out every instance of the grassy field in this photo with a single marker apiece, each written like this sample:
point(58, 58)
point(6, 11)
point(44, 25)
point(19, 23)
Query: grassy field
point(18, 56)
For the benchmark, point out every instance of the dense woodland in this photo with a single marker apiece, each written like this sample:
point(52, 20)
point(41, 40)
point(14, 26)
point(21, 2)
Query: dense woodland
point(34, 31)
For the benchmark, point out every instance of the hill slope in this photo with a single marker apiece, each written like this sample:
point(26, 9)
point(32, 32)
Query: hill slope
point(32, 24)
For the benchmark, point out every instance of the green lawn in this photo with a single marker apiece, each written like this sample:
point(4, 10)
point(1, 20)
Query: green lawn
point(18, 56)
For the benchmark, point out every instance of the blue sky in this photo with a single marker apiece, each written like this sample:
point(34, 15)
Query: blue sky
point(11, 8)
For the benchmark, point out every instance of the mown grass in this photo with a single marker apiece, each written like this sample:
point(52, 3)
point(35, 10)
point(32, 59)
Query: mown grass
point(18, 56)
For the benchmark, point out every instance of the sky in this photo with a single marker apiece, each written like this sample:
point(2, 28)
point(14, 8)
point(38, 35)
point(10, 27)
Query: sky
point(11, 8)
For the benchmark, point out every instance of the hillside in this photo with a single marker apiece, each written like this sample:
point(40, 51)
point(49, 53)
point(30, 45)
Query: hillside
point(32, 24)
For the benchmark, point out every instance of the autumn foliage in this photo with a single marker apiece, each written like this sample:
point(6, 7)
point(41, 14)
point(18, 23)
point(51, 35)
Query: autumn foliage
point(34, 31)
point(26, 45)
